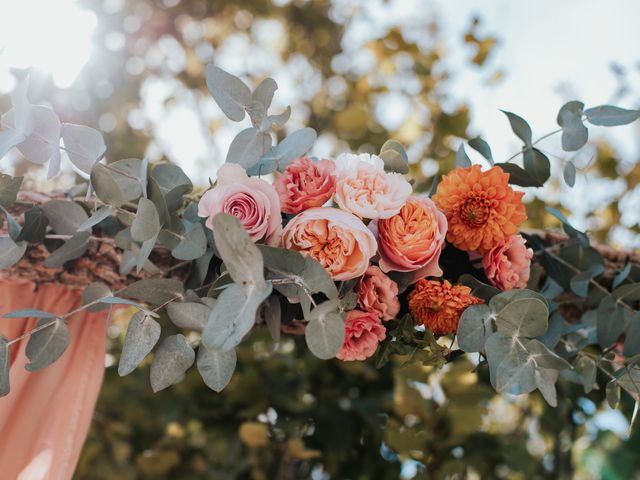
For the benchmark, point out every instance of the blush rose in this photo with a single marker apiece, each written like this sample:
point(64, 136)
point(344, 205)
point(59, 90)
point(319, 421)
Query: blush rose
point(363, 333)
point(305, 184)
point(378, 294)
point(508, 264)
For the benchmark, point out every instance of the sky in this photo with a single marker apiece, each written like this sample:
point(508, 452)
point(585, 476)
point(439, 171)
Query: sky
point(551, 51)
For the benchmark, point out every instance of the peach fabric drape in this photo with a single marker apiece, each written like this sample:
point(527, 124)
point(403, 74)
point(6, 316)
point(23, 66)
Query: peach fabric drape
point(45, 418)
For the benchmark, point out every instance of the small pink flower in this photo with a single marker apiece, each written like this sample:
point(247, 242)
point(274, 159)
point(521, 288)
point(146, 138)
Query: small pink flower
point(252, 201)
point(508, 264)
point(305, 184)
point(378, 294)
point(366, 190)
point(363, 332)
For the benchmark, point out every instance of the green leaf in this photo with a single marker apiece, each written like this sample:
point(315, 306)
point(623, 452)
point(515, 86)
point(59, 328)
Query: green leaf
point(47, 345)
point(632, 337)
point(279, 120)
point(142, 335)
point(526, 317)
point(35, 225)
point(510, 370)
point(569, 174)
point(189, 315)
point(28, 313)
point(462, 159)
point(100, 214)
point(65, 217)
point(518, 176)
point(586, 369)
point(261, 101)
point(580, 283)
point(476, 324)
point(301, 268)
point(520, 127)
point(143, 254)
point(629, 292)
point(499, 301)
point(622, 275)
point(273, 317)
point(11, 252)
point(610, 323)
point(629, 379)
point(325, 331)
point(172, 184)
point(568, 228)
point(230, 93)
point(613, 394)
point(193, 245)
point(293, 146)
point(543, 357)
point(146, 223)
point(536, 164)
point(4, 366)
point(248, 147)
point(234, 315)
point(84, 145)
point(574, 133)
point(107, 188)
point(9, 188)
point(239, 254)
point(171, 361)
point(610, 116)
point(15, 229)
point(395, 157)
point(482, 147)
point(155, 291)
point(70, 250)
point(545, 381)
point(93, 292)
point(131, 176)
point(216, 367)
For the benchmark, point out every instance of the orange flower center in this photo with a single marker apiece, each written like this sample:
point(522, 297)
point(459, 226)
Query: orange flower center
point(475, 211)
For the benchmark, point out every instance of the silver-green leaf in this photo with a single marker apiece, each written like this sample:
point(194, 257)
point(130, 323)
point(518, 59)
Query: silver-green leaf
point(142, 335)
point(216, 367)
point(170, 362)
point(47, 345)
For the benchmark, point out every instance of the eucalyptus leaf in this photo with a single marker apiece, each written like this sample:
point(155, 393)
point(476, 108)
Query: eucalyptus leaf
point(518, 176)
point(545, 381)
point(230, 93)
point(610, 116)
point(586, 368)
point(47, 345)
point(613, 393)
point(84, 145)
point(545, 358)
point(574, 133)
point(65, 217)
point(142, 257)
point(325, 331)
point(273, 317)
point(580, 283)
point(610, 321)
point(73, 248)
point(569, 173)
point(526, 317)
point(142, 335)
point(395, 157)
point(216, 367)
point(170, 362)
point(4, 366)
point(193, 245)
point(520, 127)
point(293, 146)
point(482, 147)
point(101, 214)
point(9, 188)
point(536, 164)
point(93, 292)
point(107, 188)
point(275, 120)
point(35, 225)
point(248, 147)
point(509, 366)
point(43, 144)
point(622, 275)
point(172, 183)
point(462, 159)
point(189, 315)
point(28, 313)
point(15, 229)
point(146, 223)
point(632, 337)
point(475, 326)
point(11, 252)
point(155, 291)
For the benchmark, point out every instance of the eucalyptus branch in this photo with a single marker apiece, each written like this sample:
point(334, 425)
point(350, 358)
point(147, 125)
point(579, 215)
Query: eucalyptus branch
point(535, 142)
point(295, 281)
point(67, 237)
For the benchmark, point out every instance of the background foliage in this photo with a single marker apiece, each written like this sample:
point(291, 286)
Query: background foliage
point(289, 414)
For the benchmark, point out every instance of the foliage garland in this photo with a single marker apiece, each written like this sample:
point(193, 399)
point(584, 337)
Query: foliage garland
point(575, 317)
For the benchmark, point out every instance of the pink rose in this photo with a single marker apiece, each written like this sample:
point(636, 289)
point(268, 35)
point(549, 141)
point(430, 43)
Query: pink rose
point(507, 265)
point(252, 201)
point(412, 240)
point(337, 239)
point(378, 294)
point(366, 190)
point(363, 332)
point(305, 184)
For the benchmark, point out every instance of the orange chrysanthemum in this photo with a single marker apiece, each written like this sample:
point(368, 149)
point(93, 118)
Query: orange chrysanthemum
point(481, 208)
point(438, 305)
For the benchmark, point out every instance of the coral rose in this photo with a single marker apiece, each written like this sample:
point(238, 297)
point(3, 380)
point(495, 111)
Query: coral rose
point(481, 207)
point(439, 305)
point(305, 184)
point(378, 294)
point(508, 264)
point(363, 333)
point(366, 190)
point(337, 239)
point(252, 201)
point(412, 240)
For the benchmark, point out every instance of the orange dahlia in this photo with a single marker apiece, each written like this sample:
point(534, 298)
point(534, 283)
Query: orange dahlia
point(438, 305)
point(481, 208)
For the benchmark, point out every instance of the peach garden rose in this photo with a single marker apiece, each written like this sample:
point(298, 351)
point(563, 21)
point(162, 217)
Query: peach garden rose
point(507, 265)
point(366, 190)
point(363, 333)
point(252, 201)
point(305, 184)
point(337, 239)
point(377, 293)
point(413, 239)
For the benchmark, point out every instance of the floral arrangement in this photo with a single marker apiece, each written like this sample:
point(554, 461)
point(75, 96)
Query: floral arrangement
point(343, 251)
